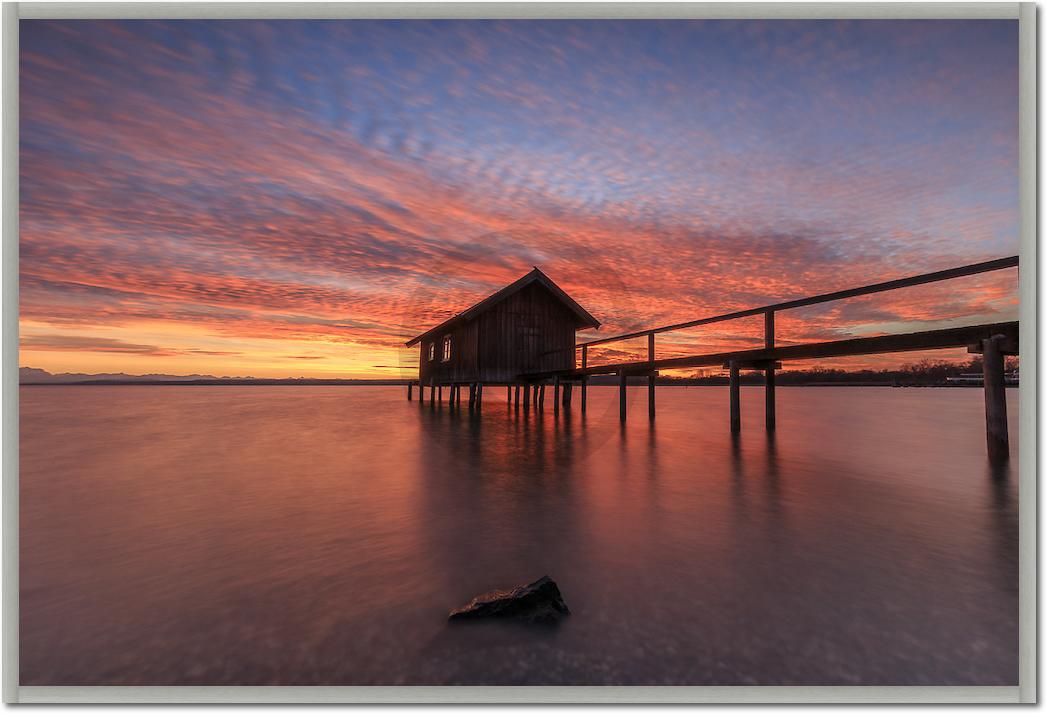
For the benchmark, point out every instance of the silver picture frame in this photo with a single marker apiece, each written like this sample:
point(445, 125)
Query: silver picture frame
point(1026, 692)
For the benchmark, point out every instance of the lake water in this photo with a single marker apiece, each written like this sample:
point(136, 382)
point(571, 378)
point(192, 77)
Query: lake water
point(319, 535)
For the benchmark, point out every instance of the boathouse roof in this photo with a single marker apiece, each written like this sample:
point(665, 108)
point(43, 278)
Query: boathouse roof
point(585, 320)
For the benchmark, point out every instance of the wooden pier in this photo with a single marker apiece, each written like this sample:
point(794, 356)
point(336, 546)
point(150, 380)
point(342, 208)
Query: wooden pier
point(994, 341)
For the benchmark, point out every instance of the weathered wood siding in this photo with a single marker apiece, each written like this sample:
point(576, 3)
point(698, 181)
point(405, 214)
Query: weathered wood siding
point(463, 362)
point(513, 337)
point(515, 334)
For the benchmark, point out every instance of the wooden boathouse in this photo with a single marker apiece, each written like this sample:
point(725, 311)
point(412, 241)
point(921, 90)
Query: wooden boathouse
point(528, 326)
point(523, 336)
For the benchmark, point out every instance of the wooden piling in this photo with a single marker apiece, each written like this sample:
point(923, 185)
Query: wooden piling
point(568, 395)
point(515, 399)
point(439, 393)
point(555, 395)
point(735, 397)
point(622, 395)
point(410, 391)
point(541, 397)
point(584, 379)
point(421, 392)
point(652, 378)
point(771, 399)
point(770, 388)
point(993, 364)
point(526, 397)
point(479, 394)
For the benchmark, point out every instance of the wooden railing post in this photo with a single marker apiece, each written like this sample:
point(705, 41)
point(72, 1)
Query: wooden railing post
point(771, 397)
point(653, 374)
point(584, 379)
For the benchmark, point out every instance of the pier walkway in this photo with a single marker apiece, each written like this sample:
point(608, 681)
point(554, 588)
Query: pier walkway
point(993, 341)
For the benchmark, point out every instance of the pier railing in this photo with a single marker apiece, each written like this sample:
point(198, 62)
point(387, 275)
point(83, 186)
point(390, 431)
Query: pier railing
point(768, 311)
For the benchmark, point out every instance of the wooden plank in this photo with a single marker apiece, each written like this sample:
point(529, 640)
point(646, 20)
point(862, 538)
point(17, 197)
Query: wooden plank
point(889, 343)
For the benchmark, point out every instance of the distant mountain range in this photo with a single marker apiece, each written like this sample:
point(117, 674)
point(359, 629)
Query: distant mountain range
point(30, 376)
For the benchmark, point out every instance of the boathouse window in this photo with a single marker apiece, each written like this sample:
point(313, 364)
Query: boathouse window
point(446, 348)
point(432, 351)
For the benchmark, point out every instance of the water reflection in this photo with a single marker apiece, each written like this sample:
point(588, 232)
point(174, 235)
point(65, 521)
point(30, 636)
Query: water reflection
point(303, 535)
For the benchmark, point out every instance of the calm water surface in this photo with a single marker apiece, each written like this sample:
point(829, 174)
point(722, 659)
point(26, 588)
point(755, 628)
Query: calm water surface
point(319, 535)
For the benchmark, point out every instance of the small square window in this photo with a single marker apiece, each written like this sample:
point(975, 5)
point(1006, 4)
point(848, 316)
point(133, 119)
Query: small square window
point(446, 348)
point(432, 351)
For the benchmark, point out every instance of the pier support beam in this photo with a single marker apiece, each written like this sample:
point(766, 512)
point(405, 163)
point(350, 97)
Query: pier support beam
point(993, 364)
point(541, 397)
point(479, 394)
point(622, 394)
point(568, 393)
point(771, 399)
point(410, 391)
point(515, 399)
point(584, 380)
point(439, 392)
point(555, 395)
point(652, 378)
point(769, 339)
point(526, 397)
point(421, 392)
point(735, 397)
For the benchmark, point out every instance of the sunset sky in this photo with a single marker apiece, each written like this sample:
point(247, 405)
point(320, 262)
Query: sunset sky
point(298, 198)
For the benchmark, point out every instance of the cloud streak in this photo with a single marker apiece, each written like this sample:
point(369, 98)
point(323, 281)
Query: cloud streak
point(331, 188)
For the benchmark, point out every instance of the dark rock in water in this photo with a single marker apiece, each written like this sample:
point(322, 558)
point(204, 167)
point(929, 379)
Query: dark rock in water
point(538, 601)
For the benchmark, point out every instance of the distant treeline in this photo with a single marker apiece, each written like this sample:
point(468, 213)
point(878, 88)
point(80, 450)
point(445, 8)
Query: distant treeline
point(926, 372)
